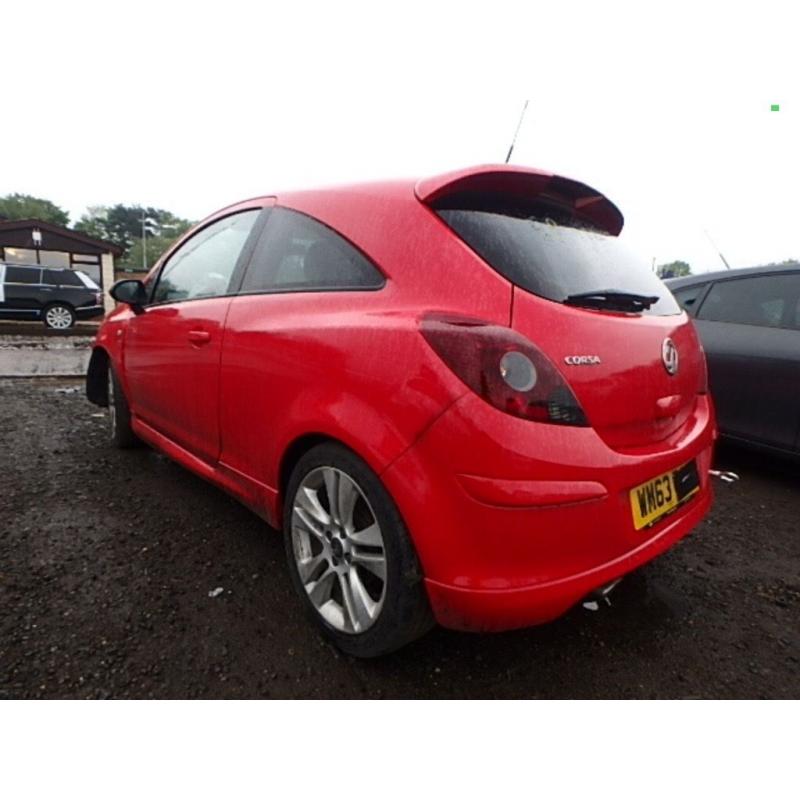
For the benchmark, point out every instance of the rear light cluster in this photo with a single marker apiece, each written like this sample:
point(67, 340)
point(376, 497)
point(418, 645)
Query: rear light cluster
point(98, 298)
point(504, 368)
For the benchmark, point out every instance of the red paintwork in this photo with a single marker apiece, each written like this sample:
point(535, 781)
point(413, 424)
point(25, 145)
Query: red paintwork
point(514, 521)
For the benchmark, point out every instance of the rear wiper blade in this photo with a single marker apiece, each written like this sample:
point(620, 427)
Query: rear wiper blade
point(611, 299)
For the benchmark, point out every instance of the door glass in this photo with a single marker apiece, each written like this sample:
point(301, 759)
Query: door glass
point(22, 275)
point(203, 265)
point(760, 300)
point(61, 277)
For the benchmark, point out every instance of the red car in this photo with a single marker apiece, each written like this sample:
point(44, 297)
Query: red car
point(461, 398)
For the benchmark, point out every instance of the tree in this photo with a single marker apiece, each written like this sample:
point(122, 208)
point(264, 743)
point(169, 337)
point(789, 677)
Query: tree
point(156, 246)
point(122, 225)
point(788, 262)
point(25, 206)
point(675, 269)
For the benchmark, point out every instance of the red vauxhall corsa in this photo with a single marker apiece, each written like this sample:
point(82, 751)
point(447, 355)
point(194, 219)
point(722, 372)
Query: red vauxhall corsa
point(461, 398)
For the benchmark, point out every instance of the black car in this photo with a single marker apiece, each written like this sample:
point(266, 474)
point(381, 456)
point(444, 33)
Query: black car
point(749, 323)
point(56, 296)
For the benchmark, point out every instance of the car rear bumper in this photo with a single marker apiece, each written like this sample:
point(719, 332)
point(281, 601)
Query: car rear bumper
point(504, 609)
point(514, 521)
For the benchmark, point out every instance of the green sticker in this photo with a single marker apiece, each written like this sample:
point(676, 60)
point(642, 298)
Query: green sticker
point(775, 107)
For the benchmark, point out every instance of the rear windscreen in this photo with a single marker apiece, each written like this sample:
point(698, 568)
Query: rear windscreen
point(555, 256)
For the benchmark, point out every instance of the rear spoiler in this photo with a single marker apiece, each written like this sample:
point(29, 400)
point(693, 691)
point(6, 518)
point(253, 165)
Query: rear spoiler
point(523, 183)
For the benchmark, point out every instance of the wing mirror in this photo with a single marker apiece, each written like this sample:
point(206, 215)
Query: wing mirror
point(132, 292)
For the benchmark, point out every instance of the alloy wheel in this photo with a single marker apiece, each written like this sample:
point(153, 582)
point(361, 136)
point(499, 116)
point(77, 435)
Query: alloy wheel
point(58, 317)
point(338, 550)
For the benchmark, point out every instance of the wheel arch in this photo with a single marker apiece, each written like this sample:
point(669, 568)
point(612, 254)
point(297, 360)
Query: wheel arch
point(64, 303)
point(297, 448)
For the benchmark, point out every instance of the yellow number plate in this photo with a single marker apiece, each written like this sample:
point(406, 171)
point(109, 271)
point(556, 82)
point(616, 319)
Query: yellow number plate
point(652, 500)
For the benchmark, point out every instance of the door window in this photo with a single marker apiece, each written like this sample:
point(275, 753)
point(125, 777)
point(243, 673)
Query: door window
point(61, 277)
point(22, 275)
point(203, 265)
point(763, 300)
point(297, 253)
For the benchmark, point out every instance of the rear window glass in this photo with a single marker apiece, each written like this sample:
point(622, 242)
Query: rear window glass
point(551, 255)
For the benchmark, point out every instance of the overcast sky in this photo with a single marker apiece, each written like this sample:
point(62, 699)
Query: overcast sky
point(189, 107)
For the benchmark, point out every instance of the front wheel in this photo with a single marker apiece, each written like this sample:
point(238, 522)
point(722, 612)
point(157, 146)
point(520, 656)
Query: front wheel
point(350, 556)
point(59, 317)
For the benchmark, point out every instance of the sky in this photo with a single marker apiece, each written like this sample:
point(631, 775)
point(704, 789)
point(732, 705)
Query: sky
point(665, 108)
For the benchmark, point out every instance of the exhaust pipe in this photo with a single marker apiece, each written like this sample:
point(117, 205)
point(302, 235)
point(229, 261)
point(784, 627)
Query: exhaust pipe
point(593, 600)
point(724, 476)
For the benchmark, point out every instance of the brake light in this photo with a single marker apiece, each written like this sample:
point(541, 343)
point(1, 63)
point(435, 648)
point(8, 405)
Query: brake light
point(504, 368)
point(98, 298)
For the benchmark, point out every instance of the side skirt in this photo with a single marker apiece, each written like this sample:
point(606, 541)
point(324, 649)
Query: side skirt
point(258, 497)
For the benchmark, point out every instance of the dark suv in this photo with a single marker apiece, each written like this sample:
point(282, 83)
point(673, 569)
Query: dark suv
point(56, 296)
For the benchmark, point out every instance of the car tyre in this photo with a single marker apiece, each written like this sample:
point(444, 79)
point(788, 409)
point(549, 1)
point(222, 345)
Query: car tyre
point(58, 316)
point(352, 564)
point(119, 414)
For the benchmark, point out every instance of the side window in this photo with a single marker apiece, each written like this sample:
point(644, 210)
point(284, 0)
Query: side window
point(762, 300)
point(687, 296)
point(203, 265)
point(60, 277)
point(23, 275)
point(297, 253)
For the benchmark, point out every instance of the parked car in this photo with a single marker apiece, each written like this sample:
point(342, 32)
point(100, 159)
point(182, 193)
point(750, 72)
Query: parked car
point(461, 398)
point(58, 297)
point(749, 324)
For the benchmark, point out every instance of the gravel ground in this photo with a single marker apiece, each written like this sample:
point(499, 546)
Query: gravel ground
point(108, 558)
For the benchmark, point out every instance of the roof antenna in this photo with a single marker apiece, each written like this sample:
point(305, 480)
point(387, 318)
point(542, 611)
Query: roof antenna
point(719, 252)
point(519, 125)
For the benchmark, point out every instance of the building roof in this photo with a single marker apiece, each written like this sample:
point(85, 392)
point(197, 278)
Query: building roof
point(58, 234)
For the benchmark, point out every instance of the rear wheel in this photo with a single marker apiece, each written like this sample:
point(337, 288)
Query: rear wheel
point(350, 556)
point(58, 316)
point(119, 414)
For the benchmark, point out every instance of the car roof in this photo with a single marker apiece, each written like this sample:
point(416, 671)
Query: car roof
point(722, 274)
point(38, 266)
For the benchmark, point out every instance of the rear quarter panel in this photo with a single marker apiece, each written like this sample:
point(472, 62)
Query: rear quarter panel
point(351, 365)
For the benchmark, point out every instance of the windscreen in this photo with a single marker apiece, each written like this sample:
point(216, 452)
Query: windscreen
point(554, 255)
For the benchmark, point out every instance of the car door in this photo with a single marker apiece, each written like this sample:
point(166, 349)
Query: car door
point(749, 331)
point(172, 348)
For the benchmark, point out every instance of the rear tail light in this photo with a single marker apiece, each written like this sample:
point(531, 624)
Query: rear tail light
point(98, 298)
point(504, 368)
